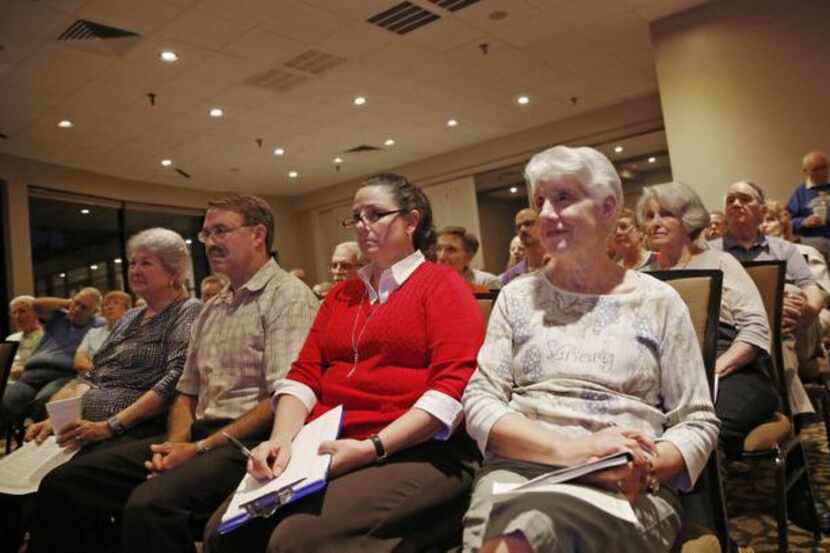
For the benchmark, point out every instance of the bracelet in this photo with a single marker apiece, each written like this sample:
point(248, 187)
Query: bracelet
point(116, 427)
point(202, 447)
point(652, 483)
point(380, 451)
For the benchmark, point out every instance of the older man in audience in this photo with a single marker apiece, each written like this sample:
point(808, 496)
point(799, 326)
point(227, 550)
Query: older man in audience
point(528, 230)
point(28, 332)
point(211, 286)
point(346, 259)
point(803, 298)
point(51, 364)
point(810, 201)
point(113, 307)
point(717, 224)
point(164, 488)
point(456, 247)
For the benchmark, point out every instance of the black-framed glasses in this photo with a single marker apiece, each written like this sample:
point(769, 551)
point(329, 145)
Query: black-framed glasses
point(218, 233)
point(369, 217)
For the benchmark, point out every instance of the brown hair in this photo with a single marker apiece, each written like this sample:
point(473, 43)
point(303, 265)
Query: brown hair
point(254, 210)
point(467, 238)
point(409, 197)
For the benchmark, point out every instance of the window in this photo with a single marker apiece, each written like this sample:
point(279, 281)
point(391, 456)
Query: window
point(80, 241)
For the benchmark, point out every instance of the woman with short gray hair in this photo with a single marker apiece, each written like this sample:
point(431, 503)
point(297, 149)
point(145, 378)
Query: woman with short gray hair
point(673, 216)
point(166, 245)
point(581, 360)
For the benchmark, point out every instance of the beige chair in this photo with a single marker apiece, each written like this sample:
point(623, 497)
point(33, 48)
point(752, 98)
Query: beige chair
point(775, 441)
point(485, 303)
point(701, 290)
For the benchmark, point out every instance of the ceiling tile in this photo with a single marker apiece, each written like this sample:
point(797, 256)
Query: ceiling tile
point(201, 28)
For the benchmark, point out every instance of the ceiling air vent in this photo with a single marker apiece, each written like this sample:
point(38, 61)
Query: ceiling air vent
point(454, 5)
point(363, 148)
point(314, 62)
point(99, 39)
point(403, 18)
point(277, 80)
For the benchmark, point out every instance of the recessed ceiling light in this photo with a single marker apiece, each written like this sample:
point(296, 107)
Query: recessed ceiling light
point(338, 160)
point(389, 142)
point(652, 159)
point(618, 149)
point(63, 275)
point(452, 123)
point(166, 162)
point(293, 174)
point(66, 124)
point(117, 261)
point(523, 100)
point(169, 56)
point(84, 211)
point(188, 241)
point(359, 100)
point(216, 112)
point(94, 267)
point(279, 151)
point(513, 189)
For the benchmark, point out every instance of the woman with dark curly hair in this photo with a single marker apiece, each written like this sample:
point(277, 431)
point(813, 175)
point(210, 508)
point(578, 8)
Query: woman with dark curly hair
point(395, 346)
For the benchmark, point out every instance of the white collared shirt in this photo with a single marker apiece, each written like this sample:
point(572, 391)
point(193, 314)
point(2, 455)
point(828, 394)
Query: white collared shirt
point(392, 278)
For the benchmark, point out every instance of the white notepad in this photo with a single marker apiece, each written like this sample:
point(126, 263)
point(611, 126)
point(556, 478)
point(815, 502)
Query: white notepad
point(305, 474)
point(22, 470)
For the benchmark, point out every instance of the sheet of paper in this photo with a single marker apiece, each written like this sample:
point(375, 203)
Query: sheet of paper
point(63, 412)
point(23, 469)
point(614, 504)
point(305, 464)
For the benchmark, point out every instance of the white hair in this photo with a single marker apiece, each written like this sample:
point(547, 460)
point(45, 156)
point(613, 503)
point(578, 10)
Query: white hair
point(679, 199)
point(589, 167)
point(352, 248)
point(22, 299)
point(168, 246)
point(91, 291)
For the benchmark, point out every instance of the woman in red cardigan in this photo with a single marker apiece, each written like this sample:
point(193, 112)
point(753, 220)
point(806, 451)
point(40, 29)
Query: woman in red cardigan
point(395, 347)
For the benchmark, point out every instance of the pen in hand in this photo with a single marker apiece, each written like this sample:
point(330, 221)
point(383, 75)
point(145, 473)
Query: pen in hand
point(245, 451)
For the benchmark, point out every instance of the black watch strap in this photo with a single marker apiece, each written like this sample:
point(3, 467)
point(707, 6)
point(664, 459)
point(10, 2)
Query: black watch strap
point(380, 451)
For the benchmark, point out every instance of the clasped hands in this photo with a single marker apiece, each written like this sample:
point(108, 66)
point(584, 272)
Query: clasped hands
point(73, 435)
point(269, 459)
point(792, 313)
point(633, 478)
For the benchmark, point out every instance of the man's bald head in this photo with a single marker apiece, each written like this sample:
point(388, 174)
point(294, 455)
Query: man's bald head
point(814, 165)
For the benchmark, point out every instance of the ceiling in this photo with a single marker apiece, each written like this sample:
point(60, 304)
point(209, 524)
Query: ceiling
point(595, 51)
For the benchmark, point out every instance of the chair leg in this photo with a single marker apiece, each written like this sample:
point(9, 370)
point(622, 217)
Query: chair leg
point(803, 488)
point(781, 507)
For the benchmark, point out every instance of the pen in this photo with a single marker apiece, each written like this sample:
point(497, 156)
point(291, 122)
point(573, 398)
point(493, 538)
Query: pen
point(245, 451)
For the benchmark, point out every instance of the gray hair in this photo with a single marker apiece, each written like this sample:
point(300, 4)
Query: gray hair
point(681, 201)
point(589, 167)
point(219, 278)
point(353, 248)
point(168, 246)
point(22, 299)
point(91, 291)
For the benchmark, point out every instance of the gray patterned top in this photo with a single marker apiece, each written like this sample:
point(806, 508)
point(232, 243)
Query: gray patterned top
point(139, 356)
point(581, 363)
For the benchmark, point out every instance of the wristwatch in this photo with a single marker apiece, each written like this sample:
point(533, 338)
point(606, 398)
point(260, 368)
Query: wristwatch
point(380, 451)
point(202, 447)
point(115, 426)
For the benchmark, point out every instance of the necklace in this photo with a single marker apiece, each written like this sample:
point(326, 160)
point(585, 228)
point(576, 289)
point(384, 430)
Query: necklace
point(356, 342)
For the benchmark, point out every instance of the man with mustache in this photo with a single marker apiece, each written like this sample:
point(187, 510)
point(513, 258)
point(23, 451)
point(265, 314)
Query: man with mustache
point(162, 490)
point(528, 231)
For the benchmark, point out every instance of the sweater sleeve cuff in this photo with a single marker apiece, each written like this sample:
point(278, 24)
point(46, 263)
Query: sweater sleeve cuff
point(480, 424)
point(444, 408)
point(296, 389)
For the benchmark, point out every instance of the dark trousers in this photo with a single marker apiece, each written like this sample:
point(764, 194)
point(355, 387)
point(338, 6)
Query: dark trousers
point(414, 501)
point(79, 501)
point(18, 510)
point(746, 398)
point(27, 396)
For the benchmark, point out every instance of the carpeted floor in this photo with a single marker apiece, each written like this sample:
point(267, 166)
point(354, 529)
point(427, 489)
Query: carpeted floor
point(751, 500)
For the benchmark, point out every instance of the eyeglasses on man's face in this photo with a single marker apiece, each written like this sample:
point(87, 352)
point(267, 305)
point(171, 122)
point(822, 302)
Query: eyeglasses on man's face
point(369, 217)
point(219, 233)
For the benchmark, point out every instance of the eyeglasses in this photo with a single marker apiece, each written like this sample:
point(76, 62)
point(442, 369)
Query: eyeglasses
point(218, 233)
point(369, 217)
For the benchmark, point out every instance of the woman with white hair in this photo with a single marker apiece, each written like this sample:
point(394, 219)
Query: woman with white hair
point(582, 360)
point(674, 218)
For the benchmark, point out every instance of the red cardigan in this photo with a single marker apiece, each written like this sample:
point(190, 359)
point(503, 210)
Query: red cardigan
point(425, 337)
